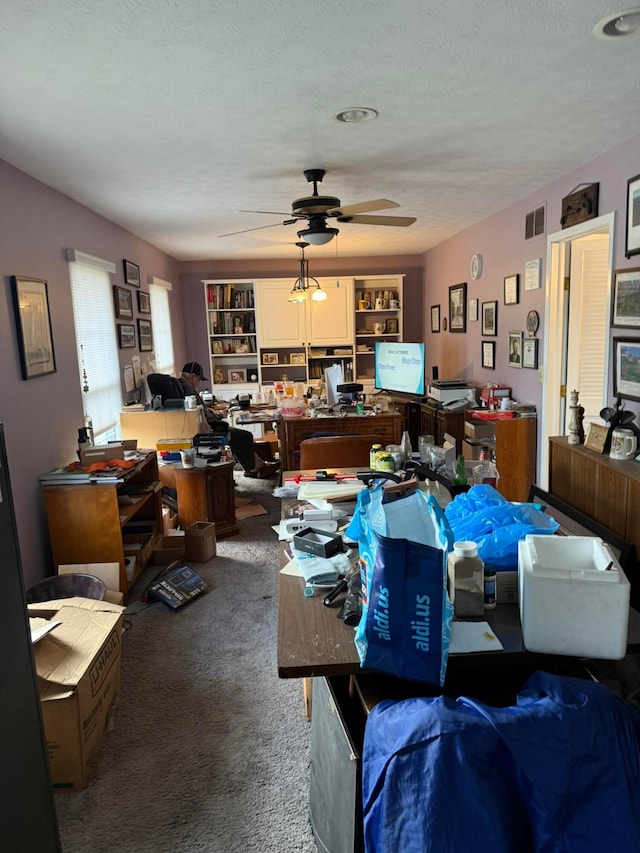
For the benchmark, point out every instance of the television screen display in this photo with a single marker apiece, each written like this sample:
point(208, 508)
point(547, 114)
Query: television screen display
point(399, 367)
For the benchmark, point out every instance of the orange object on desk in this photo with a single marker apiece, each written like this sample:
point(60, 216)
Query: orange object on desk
point(488, 415)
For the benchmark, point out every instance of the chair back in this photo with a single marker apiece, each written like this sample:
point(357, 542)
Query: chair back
point(336, 451)
point(165, 386)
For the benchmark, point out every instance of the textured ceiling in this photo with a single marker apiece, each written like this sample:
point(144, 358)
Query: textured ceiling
point(171, 116)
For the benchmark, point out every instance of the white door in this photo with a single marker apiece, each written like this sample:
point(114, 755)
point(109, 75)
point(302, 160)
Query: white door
point(331, 321)
point(279, 323)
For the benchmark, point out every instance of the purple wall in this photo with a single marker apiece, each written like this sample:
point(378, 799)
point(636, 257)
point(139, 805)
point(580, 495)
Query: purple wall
point(500, 240)
point(41, 416)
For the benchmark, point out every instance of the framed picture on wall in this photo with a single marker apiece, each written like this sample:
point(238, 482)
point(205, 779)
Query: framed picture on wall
point(144, 302)
point(145, 335)
point(123, 303)
point(632, 241)
point(626, 298)
point(530, 353)
point(490, 318)
point(626, 367)
point(512, 289)
point(126, 336)
point(33, 322)
point(458, 307)
point(131, 273)
point(435, 319)
point(515, 349)
point(473, 310)
point(489, 355)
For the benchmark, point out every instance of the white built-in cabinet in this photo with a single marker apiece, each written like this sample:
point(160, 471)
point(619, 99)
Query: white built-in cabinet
point(257, 336)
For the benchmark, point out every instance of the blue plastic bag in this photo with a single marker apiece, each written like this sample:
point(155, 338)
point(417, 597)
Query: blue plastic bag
point(482, 515)
point(406, 611)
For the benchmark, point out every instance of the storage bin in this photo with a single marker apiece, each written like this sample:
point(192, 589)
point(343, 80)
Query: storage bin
point(574, 597)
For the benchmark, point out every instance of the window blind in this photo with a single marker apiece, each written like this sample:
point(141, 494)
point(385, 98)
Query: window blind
point(97, 348)
point(161, 321)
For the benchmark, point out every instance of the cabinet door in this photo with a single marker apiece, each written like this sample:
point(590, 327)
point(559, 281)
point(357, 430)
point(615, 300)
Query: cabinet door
point(280, 323)
point(332, 320)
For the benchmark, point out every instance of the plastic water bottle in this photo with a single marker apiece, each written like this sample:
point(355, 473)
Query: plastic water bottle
point(486, 471)
point(405, 446)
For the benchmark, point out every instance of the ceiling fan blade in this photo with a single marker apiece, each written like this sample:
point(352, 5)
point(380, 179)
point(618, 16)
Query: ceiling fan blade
point(274, 212)
point(259, 228)
point(402, 221)
point(363, 207)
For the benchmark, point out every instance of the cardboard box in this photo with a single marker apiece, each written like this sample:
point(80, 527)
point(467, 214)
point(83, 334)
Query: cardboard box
point(169, 548)
point(173, 445)
point(78, 667)
point(200, 541)
point(318, 542)
point(101, 453)
point(138, 545)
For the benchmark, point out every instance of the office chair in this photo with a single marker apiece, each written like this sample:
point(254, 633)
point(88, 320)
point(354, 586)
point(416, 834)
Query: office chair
point(336, 451)
point(168, 388)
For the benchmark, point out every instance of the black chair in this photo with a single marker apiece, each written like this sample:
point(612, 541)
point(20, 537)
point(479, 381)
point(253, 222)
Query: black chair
point(168, 388)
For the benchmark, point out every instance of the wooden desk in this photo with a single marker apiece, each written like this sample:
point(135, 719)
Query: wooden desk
point(152, 425)
point(292, 431)
point(207, 494)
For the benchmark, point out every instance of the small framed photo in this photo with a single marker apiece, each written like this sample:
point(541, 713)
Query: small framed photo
point(131, 273)
point(596, 437)
point(512, 289)
point(145, 335)
point(626, 368)
point(625, 311)
point(490, 318)
point(126, 336)
point(392, 326)
point(489, 355)
point(458, 307)
point(144, 302)
point(530, 353)
point(217, 347)
point(515, 349)
point(237, 374)
point(33, 321)
point(632, 241)
point(297, 358)
point(473, 310)
point(269, 358)
point(532, 274)
point(123, 303)
point(435, 319)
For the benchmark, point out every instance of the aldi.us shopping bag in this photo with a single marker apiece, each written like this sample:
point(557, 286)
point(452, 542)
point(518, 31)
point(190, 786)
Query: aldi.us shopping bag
point(406, 612)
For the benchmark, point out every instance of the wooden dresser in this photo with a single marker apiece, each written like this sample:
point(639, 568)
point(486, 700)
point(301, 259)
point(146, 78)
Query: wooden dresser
point(602, 488)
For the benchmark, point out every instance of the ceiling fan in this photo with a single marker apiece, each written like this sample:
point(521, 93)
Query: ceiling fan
point(316, 209)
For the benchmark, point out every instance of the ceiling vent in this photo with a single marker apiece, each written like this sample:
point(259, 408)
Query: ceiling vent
point(534, 223)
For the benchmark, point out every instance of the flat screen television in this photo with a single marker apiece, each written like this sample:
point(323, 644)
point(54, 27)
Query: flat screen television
point(399, 367)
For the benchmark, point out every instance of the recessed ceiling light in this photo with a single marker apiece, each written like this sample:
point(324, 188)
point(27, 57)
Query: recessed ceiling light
point(623, 23)
point(355, 115)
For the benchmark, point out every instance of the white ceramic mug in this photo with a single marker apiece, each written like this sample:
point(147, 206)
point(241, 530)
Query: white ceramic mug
point(623, 444)
point(380, 304)
point(190, 402)
point(378, 328)
point(393, 303)
point(188, 458)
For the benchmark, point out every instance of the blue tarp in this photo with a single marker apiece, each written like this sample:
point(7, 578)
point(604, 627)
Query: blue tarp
point(559, 772)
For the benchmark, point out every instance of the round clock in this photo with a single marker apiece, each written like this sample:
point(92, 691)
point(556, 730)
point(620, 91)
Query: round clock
point(476, 267)
point(533, 321)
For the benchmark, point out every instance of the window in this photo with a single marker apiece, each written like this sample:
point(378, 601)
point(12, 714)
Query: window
point(161, 319)
point(93, 317)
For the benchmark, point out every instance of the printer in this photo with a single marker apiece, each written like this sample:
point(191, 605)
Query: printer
point(451, 391)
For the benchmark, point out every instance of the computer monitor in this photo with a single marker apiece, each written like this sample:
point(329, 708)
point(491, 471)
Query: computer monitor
point(333, 376)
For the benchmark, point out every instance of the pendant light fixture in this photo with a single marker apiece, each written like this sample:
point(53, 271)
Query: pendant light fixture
point(305, 282)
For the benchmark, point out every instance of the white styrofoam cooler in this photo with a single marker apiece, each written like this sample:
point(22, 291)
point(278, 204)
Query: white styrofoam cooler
point(574, 597)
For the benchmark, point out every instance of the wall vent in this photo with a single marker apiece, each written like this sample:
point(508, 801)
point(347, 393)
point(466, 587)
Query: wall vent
point(534, 223)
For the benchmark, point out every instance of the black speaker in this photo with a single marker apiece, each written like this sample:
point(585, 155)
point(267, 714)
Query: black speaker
point(434, 372)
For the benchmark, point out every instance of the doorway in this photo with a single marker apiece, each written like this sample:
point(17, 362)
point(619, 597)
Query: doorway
point(576, 325)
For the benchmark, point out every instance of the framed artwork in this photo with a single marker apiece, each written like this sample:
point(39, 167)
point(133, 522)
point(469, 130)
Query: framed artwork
point(126, 336)
point(33, 321)
point(435, 319)
point(458, 307)
point(626, 368)
point(632, 241)
point(532, 274)
point(123, 303)
point(530, 353)
point(217, 348)
point(392, 326)
point(489, 355)
point(512, 289)
point(596, 437)
point(625, 290)
point(515, 349)
point(297, 358)
point(490, 318)
point(131, 273)
point(473, 310)
point(145, 335)
point(144, 302)
point(269, 357)
point(237, 374)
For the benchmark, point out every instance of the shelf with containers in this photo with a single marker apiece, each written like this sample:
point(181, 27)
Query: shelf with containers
point(231, 327)
point(378, 313)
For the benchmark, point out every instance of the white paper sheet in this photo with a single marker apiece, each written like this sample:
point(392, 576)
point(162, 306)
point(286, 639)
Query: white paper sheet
point(473, 637)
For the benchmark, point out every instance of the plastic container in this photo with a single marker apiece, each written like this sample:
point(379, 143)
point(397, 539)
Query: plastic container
point(466, 580)
point(489, 588)
point(67, 586)
point(291, 407)
point(485, 471)
point(574, 597)
point(373, 456)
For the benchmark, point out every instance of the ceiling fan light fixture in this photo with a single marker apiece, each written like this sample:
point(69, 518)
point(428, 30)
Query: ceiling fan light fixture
point(319, 295)
point(301, 286)
point(622, 23)
point(356, 115)
point(318, 236)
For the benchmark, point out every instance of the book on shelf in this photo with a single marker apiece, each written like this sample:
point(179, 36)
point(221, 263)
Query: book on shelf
point(65, 476)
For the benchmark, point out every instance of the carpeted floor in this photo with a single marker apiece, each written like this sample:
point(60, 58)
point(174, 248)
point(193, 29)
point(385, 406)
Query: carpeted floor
point(210, 750)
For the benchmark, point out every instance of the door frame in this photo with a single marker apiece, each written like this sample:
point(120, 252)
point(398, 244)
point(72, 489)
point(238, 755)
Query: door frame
point(555, 327)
